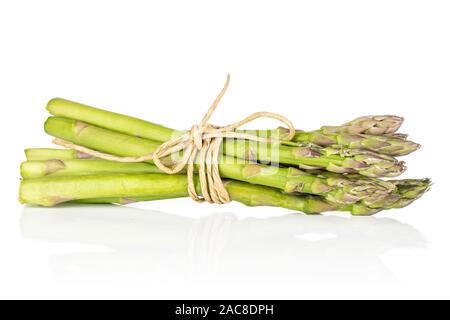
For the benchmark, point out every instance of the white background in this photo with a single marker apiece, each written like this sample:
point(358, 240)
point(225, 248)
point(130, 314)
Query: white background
point(316, 62)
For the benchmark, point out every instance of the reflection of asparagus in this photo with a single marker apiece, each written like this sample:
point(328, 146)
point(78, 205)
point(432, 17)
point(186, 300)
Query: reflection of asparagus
point(133, 228)
point(337, 189)
point(365, 163)
point(219, 245)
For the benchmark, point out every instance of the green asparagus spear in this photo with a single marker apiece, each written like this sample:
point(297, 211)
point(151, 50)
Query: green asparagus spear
point(109, 120)
point(374, 125)
point(50, 191)
point(42, 154)
point(126, 188)
point(363, 162)
point(290, 180)
point(391, 145)
point(348, 135)
point(70, 167)
point(407, 192)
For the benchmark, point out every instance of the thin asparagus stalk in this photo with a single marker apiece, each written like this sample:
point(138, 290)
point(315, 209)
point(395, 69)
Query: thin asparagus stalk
point(374, 125)
point(42, 154)
point(392, 145)
point(408, 191)
point(50, 191)
point(70, 167)
point(109, 120)
point(366, 163)
point(347, 135)
point(290, 180)
point(350, 161)
point(126, 188)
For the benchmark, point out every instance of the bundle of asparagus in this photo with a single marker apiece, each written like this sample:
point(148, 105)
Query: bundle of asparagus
point(335, 168)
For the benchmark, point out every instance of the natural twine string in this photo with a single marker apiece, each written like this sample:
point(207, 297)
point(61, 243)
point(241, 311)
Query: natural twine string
point(203, 140)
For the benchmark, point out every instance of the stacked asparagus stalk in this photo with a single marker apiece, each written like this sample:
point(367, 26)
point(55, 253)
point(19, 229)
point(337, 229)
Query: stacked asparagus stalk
point(335, 168)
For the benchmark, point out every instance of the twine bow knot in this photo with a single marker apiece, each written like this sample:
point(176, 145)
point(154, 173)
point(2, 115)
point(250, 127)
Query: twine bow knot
point(202, 144)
